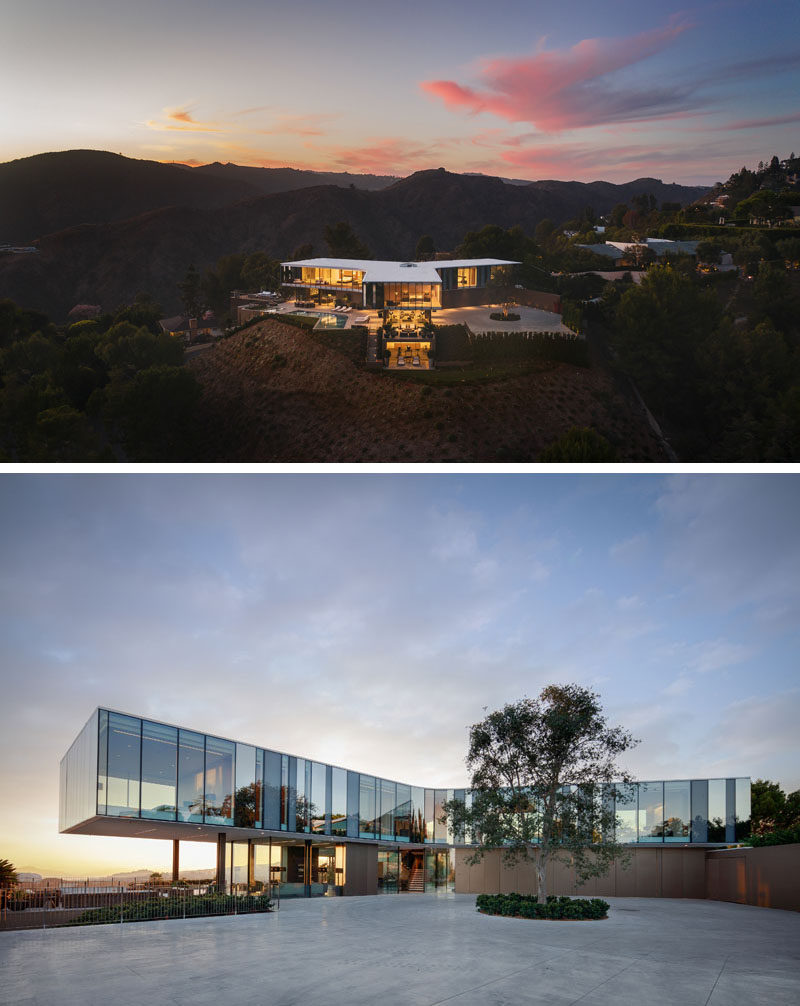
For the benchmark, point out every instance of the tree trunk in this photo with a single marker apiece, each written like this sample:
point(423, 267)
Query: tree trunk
point(541, 877)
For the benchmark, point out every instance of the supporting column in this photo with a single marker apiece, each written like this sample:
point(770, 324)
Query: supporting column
point(176, 860)
point(251, 864)
point(221, 861)
point(307, 868)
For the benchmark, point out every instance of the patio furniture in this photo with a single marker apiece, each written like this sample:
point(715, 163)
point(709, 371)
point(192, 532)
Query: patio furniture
point(400, 361)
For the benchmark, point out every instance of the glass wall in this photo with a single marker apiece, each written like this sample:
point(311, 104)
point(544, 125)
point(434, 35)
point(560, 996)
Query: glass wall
point(417, 814)
point(651, 811)
point(402, 820)
point(339, 802)
point(159, 771)
point(147, 769)
point(219, 781)
point(247, 798)
point(716, 810)
point(124, 749)
point(388, 871)
point(677, 812)
point(302, 796)
point(319, 797)
point(742, 809)
point(191, 762)
point(388, 801)
point(366, 813)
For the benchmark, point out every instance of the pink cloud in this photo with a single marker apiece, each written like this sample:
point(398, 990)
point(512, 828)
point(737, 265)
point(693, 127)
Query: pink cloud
point(387, 156)
point(775, 120)
point(568, 88)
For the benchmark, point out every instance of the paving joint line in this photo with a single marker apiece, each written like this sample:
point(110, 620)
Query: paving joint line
point(711, 993)
point(494, 981)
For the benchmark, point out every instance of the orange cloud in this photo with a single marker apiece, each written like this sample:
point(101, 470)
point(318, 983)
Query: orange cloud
point(181, 119)
point(568, 88)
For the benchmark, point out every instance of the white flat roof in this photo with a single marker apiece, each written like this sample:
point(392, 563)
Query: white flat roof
point(378, 271)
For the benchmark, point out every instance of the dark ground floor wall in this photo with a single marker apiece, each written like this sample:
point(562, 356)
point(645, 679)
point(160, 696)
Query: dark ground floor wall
point(362, 869)
point(769, 877)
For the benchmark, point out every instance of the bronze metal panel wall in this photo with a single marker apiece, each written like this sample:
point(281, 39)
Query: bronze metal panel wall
point(768, 877)
point(361, 875)
point(651, 873)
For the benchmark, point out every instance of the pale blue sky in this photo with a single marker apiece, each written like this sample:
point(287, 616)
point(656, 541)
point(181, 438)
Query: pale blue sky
point(368, 620)
point(576, 90)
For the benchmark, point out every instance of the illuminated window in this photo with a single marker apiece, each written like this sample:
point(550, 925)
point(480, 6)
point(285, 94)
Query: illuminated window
point(468, 277)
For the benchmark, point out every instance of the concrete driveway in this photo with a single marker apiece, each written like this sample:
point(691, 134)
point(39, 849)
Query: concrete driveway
point(417, 950)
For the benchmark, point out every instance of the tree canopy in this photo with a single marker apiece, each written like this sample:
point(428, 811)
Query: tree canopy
point(542, 779)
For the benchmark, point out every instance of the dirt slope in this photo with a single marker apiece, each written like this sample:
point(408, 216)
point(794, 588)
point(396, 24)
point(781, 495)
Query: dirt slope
point(273, 394)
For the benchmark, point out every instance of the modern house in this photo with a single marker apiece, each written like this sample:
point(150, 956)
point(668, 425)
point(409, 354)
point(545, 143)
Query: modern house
point(318, 829)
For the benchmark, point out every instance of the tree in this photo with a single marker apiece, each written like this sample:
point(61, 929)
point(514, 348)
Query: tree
point(8, 875)
point(343, 242)
point(191, 293)
point(426, 249)
point(541, 783)
point(771, 809)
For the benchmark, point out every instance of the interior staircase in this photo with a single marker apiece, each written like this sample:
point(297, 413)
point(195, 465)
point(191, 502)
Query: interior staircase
point(416, 880)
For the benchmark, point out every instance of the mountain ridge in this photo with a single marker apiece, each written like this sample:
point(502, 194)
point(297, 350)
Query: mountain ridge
point(128, 245)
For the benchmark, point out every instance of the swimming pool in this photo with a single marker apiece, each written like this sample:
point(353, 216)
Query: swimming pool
point(331, 321)
point(325, 320)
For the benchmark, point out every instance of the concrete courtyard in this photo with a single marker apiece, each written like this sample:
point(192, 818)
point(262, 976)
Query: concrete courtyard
point(416, 949)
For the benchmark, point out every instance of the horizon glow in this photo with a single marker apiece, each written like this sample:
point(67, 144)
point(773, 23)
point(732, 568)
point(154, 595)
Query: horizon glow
point(526, 90)
point(300, 612)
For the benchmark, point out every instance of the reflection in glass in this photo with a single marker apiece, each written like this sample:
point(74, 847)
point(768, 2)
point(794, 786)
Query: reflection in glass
point(742, 809)
point(303, 796)
point(366, 813)
point(388, 801)
point(417, 814)
point(219, 781)
point(716, 810)
point(284, 792)
point(246, 802)
point(429, 800)
point(676, 811)
point(124, 738)
point(651, 811)
point(388, 871)
point(316, 807)
point(191, 760)
point(159, 771)
point(402, 820)
point(339, 802)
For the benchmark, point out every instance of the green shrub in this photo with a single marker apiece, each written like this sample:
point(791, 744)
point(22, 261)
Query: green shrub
point(527, 906)
point(781, 836)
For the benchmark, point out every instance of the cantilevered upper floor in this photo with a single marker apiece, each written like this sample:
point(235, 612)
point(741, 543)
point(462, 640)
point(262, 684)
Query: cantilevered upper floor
point(125, 775)
point(383, 284)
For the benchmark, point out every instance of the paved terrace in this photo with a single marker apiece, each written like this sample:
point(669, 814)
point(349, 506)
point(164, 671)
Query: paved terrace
point(417, 949)
point(531, 319)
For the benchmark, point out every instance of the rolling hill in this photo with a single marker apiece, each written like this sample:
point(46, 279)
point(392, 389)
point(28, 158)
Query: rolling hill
point(107, 227)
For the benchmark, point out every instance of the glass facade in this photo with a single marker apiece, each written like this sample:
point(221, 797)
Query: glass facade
point(159, 771)
point(126, 767)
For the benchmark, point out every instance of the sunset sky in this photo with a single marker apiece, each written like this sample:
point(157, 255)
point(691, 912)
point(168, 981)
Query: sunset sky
point(519, 88)
point(368, 620)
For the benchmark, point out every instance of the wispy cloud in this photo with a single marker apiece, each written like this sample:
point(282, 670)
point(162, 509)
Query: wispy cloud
point(182, 120)
point(568, 88)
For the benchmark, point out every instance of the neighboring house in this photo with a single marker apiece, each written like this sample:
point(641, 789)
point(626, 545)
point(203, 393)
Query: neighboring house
point(192, 329)
point(246, 306)
point(626, 252)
